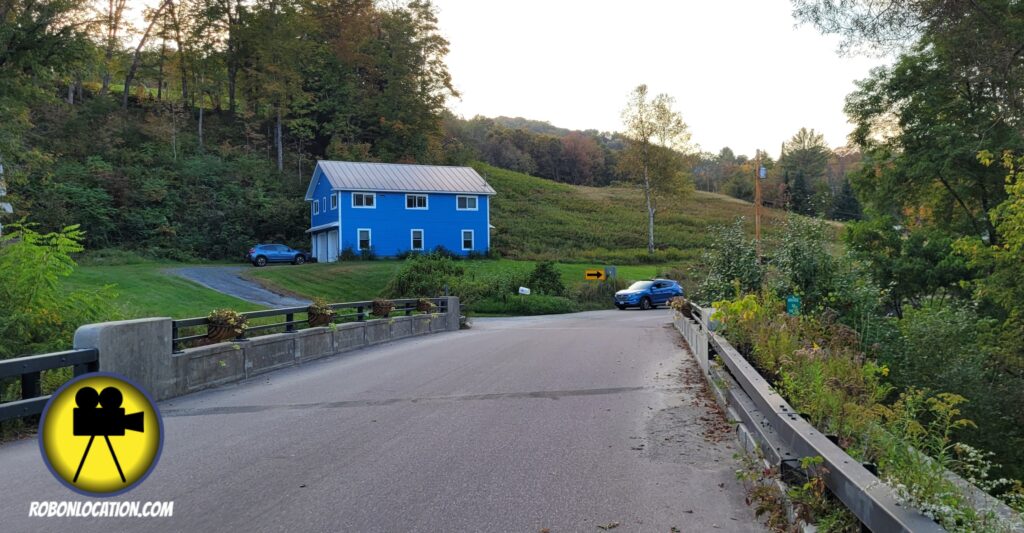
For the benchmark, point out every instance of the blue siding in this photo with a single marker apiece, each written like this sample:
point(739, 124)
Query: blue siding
point(322, 193)
point(391, 223)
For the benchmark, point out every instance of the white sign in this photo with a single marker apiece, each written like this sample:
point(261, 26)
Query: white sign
point(524, 290)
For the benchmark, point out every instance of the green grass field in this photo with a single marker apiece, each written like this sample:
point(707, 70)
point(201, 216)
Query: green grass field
point(535, 218)
point(145, 290)
point(364, 280)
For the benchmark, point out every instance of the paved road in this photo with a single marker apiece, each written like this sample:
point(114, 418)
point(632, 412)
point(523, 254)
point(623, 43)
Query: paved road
point(567, 423)
point(229, 281)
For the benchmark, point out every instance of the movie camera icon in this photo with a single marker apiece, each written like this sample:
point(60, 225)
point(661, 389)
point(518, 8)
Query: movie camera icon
point(107, 420)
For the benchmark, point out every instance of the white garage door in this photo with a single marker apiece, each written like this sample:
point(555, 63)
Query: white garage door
point(332, 245)
point(321, 247)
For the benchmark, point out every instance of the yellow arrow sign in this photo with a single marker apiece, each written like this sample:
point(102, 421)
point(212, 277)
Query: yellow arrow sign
point(593, 274)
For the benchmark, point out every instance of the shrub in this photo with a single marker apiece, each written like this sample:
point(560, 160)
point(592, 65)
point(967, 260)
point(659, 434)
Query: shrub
point(732, 262)
point(814, 362)
point(598, 294)
point(424, 276)
point(803, 262)
point(545, 279)
point(441, 251)
point(36, 314)
point(368, 254)
point(517, 304)
point(348, 254)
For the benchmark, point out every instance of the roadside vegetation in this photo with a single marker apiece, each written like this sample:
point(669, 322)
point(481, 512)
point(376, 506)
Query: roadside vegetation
point(913, 395)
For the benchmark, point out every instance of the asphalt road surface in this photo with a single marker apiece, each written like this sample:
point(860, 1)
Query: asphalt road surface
point(228, 281)
point(570, 423)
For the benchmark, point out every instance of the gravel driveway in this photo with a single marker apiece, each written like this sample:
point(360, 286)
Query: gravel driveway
point(228, 280)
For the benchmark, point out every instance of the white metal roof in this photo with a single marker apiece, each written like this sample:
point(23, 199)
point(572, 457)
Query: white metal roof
point(349, 176)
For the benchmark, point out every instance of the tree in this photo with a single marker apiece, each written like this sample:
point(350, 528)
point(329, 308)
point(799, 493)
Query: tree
point(845, 205)
point(654, 133)
point(154, 16)
point(582, 158)
point(919, 124)
point(803, 163)
point(982, 37)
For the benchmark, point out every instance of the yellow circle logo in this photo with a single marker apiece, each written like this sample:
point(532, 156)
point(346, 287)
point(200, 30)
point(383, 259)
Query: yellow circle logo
point(100, 434)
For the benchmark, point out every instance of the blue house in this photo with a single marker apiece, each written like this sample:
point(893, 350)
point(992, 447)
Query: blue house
point(392, 209)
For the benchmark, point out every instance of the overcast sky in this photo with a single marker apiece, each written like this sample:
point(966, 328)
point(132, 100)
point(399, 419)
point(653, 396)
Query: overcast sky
point(742, 74)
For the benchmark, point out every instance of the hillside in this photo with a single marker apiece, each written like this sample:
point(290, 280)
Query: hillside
point(535, 218)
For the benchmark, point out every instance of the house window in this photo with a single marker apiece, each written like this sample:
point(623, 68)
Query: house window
point(467, 239)
point(323, 207)
point(366, 200)
point(316, 207)
point(417, 239)
point(365, 243)
point(465, 203)
point(415, 201)
point(334, 201)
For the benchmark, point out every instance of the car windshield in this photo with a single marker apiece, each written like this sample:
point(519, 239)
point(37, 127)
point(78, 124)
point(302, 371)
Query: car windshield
point(640, 285)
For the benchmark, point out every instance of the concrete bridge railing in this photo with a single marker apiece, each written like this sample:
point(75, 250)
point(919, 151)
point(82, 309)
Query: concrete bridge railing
point(142, 349)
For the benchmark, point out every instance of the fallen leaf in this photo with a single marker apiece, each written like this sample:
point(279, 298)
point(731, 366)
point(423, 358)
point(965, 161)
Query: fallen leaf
point(609, 525)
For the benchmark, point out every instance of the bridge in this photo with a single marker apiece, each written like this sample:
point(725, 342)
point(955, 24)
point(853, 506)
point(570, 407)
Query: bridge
point(584, 422)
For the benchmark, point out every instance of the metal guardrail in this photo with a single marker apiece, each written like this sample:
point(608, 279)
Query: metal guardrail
point(406, 306)
point(30, 369)
point(862, 492)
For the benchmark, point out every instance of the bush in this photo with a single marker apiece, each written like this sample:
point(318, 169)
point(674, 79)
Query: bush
point(424, 276)
point(600, 294)
point(441, 251)
point(348, 254)
point(545, 279)
point(814, 362)
point(368, 254)
point(36, 314)
point(518, 304)
point(733, 265)
point(803, 262)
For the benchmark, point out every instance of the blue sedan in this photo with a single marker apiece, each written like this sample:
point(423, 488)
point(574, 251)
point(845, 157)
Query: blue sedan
point(648, 294)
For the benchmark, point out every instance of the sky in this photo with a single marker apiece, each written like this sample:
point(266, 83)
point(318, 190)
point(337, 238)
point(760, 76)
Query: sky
point(742, 73)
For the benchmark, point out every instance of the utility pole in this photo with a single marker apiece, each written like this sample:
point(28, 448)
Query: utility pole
point(758, 171)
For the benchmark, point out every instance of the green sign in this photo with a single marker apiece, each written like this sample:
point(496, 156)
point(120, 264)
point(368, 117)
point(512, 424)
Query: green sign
point(793, 305)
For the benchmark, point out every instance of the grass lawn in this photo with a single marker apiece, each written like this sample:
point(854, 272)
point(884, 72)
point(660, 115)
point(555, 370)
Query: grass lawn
point(144, 290)
point(535, 218)
point(364, 280)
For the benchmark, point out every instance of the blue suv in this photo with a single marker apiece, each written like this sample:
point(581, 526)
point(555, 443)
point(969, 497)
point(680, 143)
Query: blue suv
point(648, 294)
point(261, 254)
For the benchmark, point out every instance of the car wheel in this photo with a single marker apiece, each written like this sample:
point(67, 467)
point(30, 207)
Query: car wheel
point(261, 261)
point(299, 259)
point(645, 304)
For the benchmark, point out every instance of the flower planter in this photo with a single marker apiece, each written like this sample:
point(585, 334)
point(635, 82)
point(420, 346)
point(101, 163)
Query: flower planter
point(316, 321)
point(425, 306)
point(217, 333)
